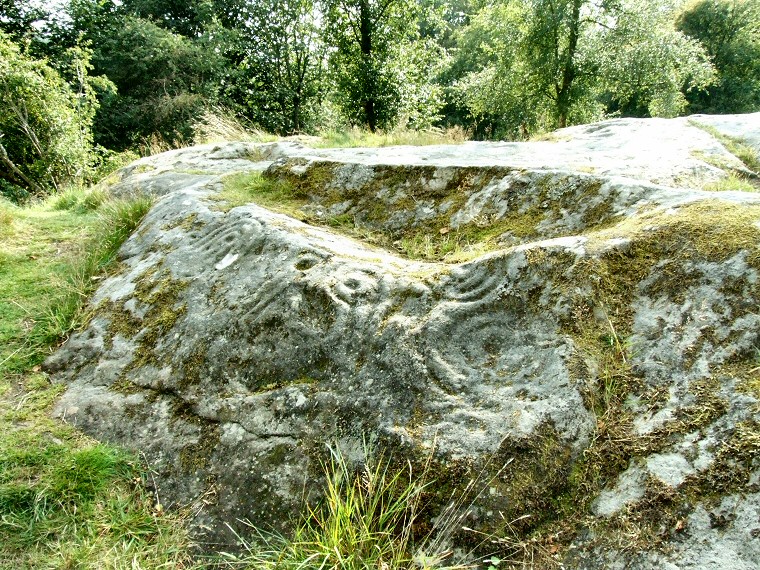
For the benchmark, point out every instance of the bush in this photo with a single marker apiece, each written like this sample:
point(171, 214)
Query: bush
point(45, 138)
point(13, 192)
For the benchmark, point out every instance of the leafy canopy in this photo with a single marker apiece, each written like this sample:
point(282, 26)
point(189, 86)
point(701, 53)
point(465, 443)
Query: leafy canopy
point(45, 122)
point(547, 63)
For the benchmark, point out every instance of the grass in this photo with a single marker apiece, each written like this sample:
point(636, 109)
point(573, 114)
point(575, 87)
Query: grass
point(732, 182)
point(365, 521)
point(79, 199)
point(7, 217)
point(218, 125)
point(245, 188)
point(351, 138)
point(66, 501)
point(735, 146)
point(741, 150)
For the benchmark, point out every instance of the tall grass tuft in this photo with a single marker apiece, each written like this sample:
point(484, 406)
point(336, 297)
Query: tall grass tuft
point(733, 182)
point(117, 219)
point(364, 522)
point(219, 125)
point(79, 199)
point(6, 216)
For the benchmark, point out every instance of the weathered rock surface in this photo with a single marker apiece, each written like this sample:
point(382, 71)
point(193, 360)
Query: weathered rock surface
point(600, 327)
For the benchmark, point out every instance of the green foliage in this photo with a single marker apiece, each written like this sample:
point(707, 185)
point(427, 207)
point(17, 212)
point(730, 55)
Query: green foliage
point(648, 67)
point(161, 79)
point(380, 67)
point(185, 18)
point(277, 72)
point(487, 67)
point(17, 19)
point(501, 69)
point(729, 30)
point(527, 66)
point(13, 192)
point(45, 138)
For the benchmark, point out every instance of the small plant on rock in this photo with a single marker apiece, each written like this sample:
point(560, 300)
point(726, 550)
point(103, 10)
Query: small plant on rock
point(364, 522)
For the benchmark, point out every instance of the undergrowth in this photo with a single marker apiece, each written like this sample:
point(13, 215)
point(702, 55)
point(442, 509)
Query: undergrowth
point(218, 125)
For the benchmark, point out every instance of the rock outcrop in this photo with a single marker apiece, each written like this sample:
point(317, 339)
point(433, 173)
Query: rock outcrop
point(583, 310)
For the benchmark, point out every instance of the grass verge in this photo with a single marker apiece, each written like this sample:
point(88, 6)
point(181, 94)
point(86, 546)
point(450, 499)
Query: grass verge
point(66, 501)
point(732, 182)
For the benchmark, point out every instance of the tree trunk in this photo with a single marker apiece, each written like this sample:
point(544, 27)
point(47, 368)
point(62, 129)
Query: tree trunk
point(564, 92)
point(365, 37)
point(18, 174)
point(296, 115)
point(370, 114)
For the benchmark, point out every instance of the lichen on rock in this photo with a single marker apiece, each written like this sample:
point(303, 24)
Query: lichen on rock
point(572, 324)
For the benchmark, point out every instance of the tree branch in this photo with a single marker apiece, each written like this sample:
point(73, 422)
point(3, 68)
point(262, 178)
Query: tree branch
point(14, 169)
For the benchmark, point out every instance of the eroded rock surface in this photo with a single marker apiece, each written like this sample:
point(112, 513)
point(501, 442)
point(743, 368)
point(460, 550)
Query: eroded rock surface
point(586, 309)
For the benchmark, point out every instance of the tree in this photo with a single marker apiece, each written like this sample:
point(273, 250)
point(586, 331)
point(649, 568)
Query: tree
point(645, 64)
point(163, 80)
point(485, 92)
point(378, 64)
point(729, 30)
point(550, 63)
point(552, 48)
point(45, 137)
point(189, 18)
point(17, 18)
point(276, 64)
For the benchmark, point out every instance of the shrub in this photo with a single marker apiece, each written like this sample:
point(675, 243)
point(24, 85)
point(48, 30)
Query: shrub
point(45, 138)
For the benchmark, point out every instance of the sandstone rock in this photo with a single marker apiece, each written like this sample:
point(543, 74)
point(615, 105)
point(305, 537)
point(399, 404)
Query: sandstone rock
point(583, 308)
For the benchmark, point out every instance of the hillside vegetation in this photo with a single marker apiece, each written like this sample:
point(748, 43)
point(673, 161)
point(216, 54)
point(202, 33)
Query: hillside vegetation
point(86, 86)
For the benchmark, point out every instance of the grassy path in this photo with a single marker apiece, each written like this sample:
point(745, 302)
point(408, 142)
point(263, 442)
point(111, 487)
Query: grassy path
point(66, 501)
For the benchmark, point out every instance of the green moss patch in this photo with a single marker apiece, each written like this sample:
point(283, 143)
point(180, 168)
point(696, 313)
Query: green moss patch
point(196, 456)
point(535, 205)
point(162, 294)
